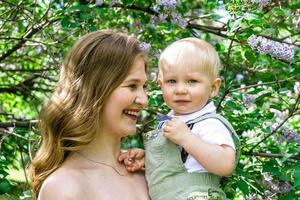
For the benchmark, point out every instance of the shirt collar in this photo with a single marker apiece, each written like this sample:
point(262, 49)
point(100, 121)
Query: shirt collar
point(208, 108)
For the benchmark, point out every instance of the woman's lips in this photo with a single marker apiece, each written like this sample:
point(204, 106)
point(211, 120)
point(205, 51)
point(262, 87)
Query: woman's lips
point(132, 114)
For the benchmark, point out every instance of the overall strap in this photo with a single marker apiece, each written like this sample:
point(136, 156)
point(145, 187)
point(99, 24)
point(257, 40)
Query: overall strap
point(235, 137)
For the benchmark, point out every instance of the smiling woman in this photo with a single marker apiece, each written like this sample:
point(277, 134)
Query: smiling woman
point(95, 104)
point(126, 101)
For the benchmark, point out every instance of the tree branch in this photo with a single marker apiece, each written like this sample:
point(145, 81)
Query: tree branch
point(19, 124)
point(28, 35)
point(292, 112)
point(265, 83)
point(131, 7)
point(271, 155)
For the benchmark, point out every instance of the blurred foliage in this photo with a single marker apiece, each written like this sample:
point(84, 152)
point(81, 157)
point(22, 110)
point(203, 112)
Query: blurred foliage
point(259, 95)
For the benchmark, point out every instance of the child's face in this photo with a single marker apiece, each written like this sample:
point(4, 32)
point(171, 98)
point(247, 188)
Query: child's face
point(186, 89)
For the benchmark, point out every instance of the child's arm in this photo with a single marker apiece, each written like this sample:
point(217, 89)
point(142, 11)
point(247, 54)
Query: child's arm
point(133, 159)
point(217, 159)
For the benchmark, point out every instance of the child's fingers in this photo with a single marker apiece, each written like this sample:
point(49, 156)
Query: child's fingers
point(134, 168)
point(136, 153)
point(167, 129)
point(128, 162)
point(130, 169)
point(122, 156)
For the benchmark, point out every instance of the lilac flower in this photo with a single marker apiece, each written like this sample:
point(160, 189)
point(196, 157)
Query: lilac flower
point(239, 77)
point(167, 9)
point(253, 197)
point(249, 101)
point(297, 87)
point(262, 3)
point(153, 74)
point(249, 98)
point(249, 134)
point(112, 3)
point(274, 49)
point(99, 2)
point(290, 134)
point(145, 46)
point(160, 19)
point(166, 4)
point(275, 186)
point(178, 19)
point(285, 187)
point(280, 115)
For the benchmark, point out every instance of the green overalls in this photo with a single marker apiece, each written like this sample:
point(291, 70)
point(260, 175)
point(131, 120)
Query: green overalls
point(166, 175)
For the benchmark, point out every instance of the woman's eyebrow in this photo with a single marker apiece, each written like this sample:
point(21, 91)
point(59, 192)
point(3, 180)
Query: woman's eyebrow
point(135, 80)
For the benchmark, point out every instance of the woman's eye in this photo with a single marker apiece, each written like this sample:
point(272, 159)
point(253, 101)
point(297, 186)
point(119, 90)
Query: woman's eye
point(132, 86)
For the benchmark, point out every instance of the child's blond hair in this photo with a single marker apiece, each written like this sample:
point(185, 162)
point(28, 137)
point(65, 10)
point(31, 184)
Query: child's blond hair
point(191, 52)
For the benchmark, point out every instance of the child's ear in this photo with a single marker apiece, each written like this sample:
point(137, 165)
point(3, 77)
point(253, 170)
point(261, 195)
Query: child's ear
point(215, 87)
point(159, 81)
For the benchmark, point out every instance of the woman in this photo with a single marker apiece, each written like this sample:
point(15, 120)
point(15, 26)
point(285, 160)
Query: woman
point(95, 104)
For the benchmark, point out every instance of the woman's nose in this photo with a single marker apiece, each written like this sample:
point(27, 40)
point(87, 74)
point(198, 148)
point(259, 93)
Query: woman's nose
point(142, 98)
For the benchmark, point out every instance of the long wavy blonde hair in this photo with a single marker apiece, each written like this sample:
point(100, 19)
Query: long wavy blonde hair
point(96, 65)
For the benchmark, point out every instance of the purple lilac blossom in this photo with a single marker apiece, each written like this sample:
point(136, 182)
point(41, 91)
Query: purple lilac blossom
point(274, 49)
point(145, 46)
point(297, 87)
point(179, 20)
point(275, 186)
point(167, 4)
point(290, 134)
point(158, 19)
point(99, 2)
point(239, 77)
point(262, 3)
point(249, 98)
point(167, 8)
point(112, 3)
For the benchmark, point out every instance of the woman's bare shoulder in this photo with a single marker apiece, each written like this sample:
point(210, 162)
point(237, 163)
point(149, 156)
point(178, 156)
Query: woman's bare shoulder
point(64, 183)
point(140, 178)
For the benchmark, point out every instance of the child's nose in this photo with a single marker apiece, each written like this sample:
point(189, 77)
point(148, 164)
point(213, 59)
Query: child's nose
point(181, 88)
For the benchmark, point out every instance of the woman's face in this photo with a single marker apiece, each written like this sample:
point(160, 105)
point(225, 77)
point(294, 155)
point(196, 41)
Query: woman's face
point(121, 111)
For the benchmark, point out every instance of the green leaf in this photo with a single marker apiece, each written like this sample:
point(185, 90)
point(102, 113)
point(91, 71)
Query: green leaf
point(234, 25)
point(65, 22)
point(244, 187)
point(297, 175)
point(5, 186)
point(289, 196)
point(127, 2)
point(270, 167)
point(250, 56)
point(280, 12)
point(295, 5)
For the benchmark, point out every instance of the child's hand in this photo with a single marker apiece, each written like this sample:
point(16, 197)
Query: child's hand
point(133, 159)
point(176, 131)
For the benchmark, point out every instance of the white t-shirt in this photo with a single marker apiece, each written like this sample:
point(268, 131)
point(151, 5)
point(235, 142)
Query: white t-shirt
point(212, 131)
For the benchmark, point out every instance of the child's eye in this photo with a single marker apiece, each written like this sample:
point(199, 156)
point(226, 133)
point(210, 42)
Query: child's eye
point(172, 81)
point(192, 81)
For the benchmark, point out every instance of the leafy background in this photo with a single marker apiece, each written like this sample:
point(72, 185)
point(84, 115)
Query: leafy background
point(261, 85)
